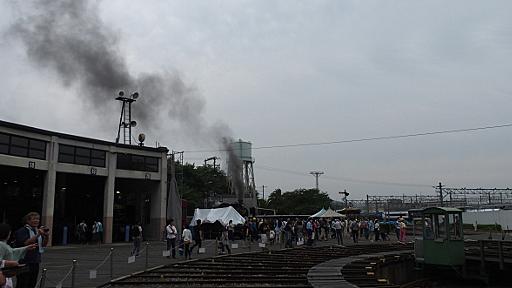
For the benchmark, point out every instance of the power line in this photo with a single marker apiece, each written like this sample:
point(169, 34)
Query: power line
point(345, 179)
point(365, 139)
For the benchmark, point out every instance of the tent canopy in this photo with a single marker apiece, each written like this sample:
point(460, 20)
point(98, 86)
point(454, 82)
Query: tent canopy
point(223, 215)
point(329, 213)
point(318, 214)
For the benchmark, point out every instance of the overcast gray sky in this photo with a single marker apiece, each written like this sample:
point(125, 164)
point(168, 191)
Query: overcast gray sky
point(288, 72)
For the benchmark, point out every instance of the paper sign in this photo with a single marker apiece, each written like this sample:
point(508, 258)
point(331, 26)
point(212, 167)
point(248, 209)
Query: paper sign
point(234, 246)
point(262, 245)
point(92, 274)
point(131, 259)
point(166, 253)
point(201, 250)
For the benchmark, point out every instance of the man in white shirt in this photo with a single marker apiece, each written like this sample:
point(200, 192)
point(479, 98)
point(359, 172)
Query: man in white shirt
point(338, 228)
point(171, 233)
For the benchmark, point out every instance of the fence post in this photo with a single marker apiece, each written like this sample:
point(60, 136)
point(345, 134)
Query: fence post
point(73, 274)
point(500, 255)
point(482, 257)
point(111, 263)
point(43, 278)
point(147, 254)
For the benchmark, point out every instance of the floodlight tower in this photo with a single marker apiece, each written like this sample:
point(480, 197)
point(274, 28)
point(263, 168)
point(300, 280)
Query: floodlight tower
point(316, 174)
point(125, 120)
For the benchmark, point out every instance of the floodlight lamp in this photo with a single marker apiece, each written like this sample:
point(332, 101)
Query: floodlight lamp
point(121, 93)
point(133, 123)
point(135, 95)
point(142, 137)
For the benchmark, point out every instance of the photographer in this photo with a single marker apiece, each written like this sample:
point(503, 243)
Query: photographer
point(31, 233)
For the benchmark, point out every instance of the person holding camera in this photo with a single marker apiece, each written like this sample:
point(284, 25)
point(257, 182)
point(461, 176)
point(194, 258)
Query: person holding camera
point(9, 256)
point(29, 234)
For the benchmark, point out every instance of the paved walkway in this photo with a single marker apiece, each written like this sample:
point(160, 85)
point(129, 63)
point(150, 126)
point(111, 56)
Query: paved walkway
point(58, 260)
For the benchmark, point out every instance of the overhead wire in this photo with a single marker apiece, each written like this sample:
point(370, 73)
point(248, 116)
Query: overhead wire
point(345, 179)
point(363, 139)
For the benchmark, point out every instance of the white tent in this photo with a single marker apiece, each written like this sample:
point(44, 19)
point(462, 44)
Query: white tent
point(318, 214)
point(329, 213)
point(223, 215)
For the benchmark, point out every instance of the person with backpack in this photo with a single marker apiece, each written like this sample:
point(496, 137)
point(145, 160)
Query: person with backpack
point(288, 235)
point(187, 240)
point(376, 230)
point(81, 231)
point(371, 227)
point(197, 235)
point(354, 226)
point(338, 228)
point(231, 231)
point(136, 232)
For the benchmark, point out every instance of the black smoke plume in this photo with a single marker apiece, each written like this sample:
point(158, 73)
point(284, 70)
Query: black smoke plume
point(235, 169)
point(70, 38)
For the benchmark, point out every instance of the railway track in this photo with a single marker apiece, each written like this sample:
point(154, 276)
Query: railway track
point(281, 268)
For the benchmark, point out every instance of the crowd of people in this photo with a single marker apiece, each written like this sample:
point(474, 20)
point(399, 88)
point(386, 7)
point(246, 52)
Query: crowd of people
point(290, 232)
point(307, 231)
point(31, 239)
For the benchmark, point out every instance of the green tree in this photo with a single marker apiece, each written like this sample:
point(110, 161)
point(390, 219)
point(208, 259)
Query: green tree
point(299, 201)
point(195, 183)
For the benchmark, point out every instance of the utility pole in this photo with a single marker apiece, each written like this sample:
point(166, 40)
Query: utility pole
point(214, 158)
point(263, 191)
point(316, 174)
